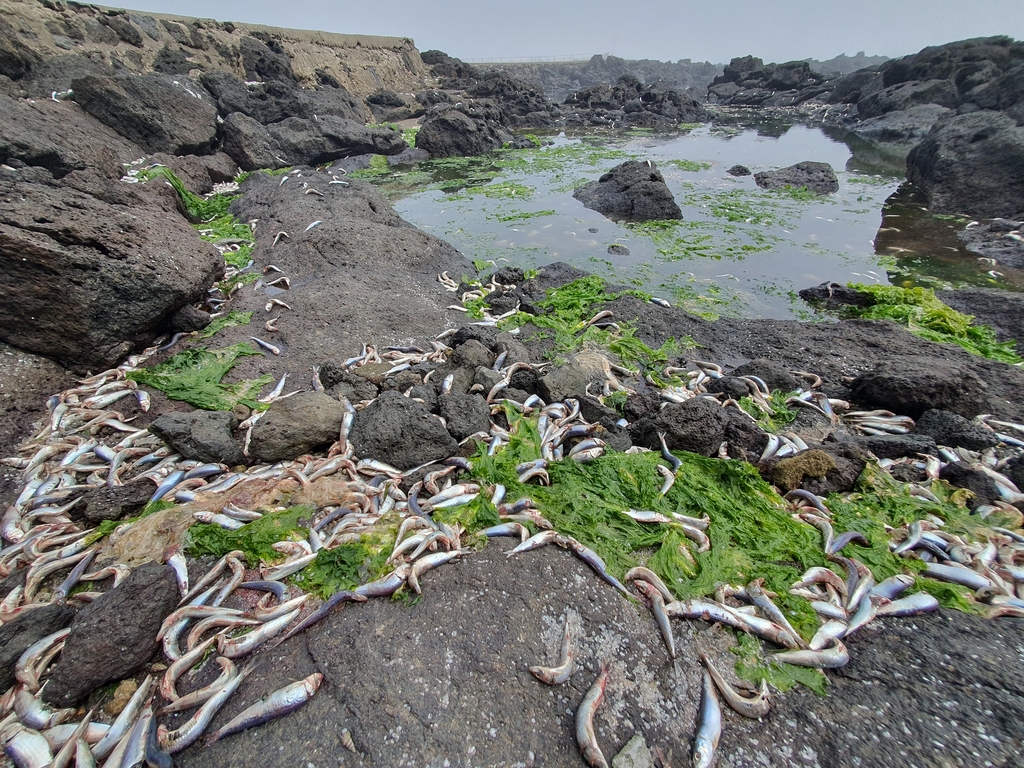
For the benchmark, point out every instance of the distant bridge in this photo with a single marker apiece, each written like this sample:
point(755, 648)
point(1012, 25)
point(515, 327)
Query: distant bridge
point(578, 58)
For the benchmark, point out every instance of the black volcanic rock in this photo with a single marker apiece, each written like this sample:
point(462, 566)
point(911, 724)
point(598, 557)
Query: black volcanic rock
point(632, 191)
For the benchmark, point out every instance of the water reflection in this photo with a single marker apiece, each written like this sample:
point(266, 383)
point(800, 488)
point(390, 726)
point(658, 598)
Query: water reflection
point(738, 251)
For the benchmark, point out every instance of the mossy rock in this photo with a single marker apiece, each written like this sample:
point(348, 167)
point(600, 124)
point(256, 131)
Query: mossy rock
point(790, 473)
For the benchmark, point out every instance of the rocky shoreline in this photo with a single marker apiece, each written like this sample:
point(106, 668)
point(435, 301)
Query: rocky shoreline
point(327, 267)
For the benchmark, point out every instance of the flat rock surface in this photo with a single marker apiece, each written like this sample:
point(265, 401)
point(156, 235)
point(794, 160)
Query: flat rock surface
point(415, 691)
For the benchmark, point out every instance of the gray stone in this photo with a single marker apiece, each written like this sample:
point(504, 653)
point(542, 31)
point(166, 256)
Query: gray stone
point(952, 430)
point(17, 635)
point(632, 191)
point(114, 636)
point(698, 426)
point(571, 379)
point(819, 178)
point(450, 131)
point(303, 423)
point(776, 376)
point(472, 354)
point(401, 432)
point(113, 503)
point(739, 170)
point(202, 435)
point(634, 755)
point(464, 414)
point(912, 386)
point(161, 113)
point(895, 446)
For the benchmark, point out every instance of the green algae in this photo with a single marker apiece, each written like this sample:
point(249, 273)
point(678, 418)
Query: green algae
point(194, 376)
point(227, 320)
point(754, 665)
point(690, 166)
point(255, 539)
point(924, 315)
point(348, 565)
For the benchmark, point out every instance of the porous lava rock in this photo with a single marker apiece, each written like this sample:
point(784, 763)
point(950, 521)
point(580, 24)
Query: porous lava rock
point(202, 435)
point(698, 426)
point(818, 178)
point(911, 386)
point(462, 130)
point(401, 432)
point(114, 636)
point(304, 423)
point(632, 191)
point(21, 632)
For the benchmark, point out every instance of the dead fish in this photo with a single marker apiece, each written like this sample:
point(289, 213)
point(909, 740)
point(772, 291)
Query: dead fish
point(828, 658)
point(267, 346)
point(316, 223)
point(561, 673)
point(755, 707)
point(709, 725)
point(585, 736)
point(277, 704)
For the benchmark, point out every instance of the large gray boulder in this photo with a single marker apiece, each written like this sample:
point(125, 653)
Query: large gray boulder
point(819, 178)
point(91, 268)
point(401, 432)
point(114, 636)
point(971, 164)
point(61, 138)
point(202, 435)
point(300, 141)
point(303, 423)
point(632, 191)
point(460, 131)
point(161, 113)
point(912, 386)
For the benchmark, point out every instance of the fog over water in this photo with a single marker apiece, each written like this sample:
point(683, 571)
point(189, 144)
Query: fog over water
point(658, 29)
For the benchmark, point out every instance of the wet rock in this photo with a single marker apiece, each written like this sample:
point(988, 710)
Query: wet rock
point(698, 426)
point(571, 379)
point(617, 249)
point(631, 102)
point(189, 319)
point(188, 168)
point(61, 138)
point(551, 276)
point(1002, 310)
point(113, 503)
point(120, 256)
point(912, 386)
point(748, 81)
point(521, 101)
point(974, 480)
point(202, 435)
point(972, 164)
point(776, 376)
point(304, 423)
point(832, 296)
point(952, 430)
point(634, 755)
point(17, 635)
point(484, 334)
point(114, 636)
point(460, 131)
point(896, 446)
point(739, 170)
point(161, 113)
point(464, 414)
point(819, 178)
point(632, 191)
point(401, 432)
point(746, 440)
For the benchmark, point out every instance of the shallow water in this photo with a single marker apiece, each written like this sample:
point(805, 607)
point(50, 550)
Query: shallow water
point(738, 251)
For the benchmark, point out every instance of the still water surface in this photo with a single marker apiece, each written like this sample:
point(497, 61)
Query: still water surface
point(739, 250)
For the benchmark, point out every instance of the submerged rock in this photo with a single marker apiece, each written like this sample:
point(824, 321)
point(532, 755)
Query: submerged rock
point(632, 191)
point(114, 636)
point(819, 178)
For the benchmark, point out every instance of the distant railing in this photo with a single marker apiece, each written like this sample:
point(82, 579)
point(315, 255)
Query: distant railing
point(572, 57)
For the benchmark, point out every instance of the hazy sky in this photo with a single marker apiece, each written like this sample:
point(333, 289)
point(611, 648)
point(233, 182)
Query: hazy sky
point(711, 30)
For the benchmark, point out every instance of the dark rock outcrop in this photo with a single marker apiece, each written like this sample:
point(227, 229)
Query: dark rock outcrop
point(401, 432)
point(895, 446)
point(521, 102)
point(698, 425)
point(114, 636)
point(974, 480)
point(18, 634)
point(113, 503)
point(464, 414)
point(303, 423)
point(818, 178)
point(739, 170)
point(275, 100)
point(748, 81)
point(462, 130)
point(61, 138)
point(160, 113)
point(298, 141)
point(971, 163)
point(202, 435)
point(906, 127)
point(952, 430)
point(630, 102)
point(632, 191)
point(120, 257)
point(913, 386)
